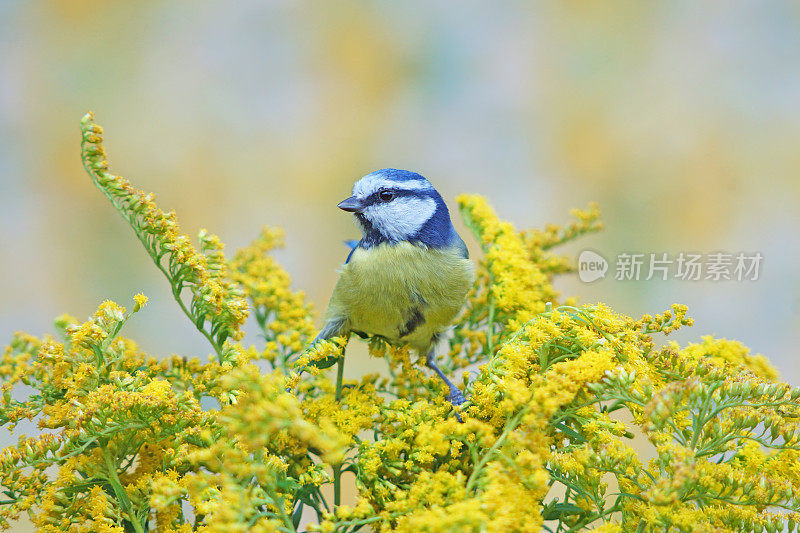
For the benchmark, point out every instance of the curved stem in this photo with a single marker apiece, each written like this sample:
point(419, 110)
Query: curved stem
point(176, 294)
point(143, 239)
point(120, 493)
point(511, 426)
point(337, 469)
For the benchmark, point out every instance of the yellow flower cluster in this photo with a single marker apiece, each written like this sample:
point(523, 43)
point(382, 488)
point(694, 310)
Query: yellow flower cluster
point(105, 406)
point(575, 418)
point(510, 287)
point(539, 242)
point(282, 314)
point(723, 351)
point(518, 289)
point(253, 461)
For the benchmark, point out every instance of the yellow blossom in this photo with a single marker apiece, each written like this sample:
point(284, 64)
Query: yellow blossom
point(577, 418)
point(140, 301)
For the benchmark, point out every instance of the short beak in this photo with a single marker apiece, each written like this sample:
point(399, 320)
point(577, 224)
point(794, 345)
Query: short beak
point(352, 204)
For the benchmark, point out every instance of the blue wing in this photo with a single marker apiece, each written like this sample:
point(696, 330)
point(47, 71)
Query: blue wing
point(461, 247)
point(353, 245)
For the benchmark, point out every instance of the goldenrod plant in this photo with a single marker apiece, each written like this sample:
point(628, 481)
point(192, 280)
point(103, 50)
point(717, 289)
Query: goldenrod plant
point(578, 417)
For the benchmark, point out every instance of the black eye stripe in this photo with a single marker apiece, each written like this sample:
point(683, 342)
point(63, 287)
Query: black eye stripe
point(374, 198)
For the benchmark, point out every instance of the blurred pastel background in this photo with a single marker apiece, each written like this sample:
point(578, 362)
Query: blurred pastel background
point(682, 119)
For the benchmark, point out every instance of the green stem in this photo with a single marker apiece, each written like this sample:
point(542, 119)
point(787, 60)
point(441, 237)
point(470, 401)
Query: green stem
point(700, 420)
point(580, 525)
point(285, 517)
point(119, 491)
point(339, 377)
point(337, 485)
point(511, 426)
point(490, 336)
point(337, 469)
point(365, 521)
point(176, 294)
point(156, 259)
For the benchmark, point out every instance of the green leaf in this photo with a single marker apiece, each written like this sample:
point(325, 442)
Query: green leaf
point(557, 510)
point(325, 363)
point(297, 515)
point(573, 435)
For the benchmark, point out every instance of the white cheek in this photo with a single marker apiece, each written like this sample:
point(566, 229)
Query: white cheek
point(401, 218)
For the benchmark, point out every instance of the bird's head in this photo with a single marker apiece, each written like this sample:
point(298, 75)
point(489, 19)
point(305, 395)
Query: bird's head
point(399, 205)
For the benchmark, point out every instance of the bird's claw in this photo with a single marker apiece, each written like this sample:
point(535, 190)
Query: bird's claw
point(456, 397)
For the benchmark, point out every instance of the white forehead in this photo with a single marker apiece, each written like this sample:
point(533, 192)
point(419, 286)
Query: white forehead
point(375, 182)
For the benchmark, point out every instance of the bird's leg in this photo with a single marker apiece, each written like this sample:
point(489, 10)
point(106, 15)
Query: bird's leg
point(456, 397)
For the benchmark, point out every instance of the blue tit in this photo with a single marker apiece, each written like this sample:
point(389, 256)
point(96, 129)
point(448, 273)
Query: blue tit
point(408, 276)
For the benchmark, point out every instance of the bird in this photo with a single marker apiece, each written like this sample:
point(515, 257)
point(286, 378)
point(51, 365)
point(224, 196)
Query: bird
point(408, 276)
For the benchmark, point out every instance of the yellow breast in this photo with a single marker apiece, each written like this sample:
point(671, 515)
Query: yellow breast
point(401, 291)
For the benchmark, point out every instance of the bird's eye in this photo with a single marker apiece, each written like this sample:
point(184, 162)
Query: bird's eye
point(386, 196)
